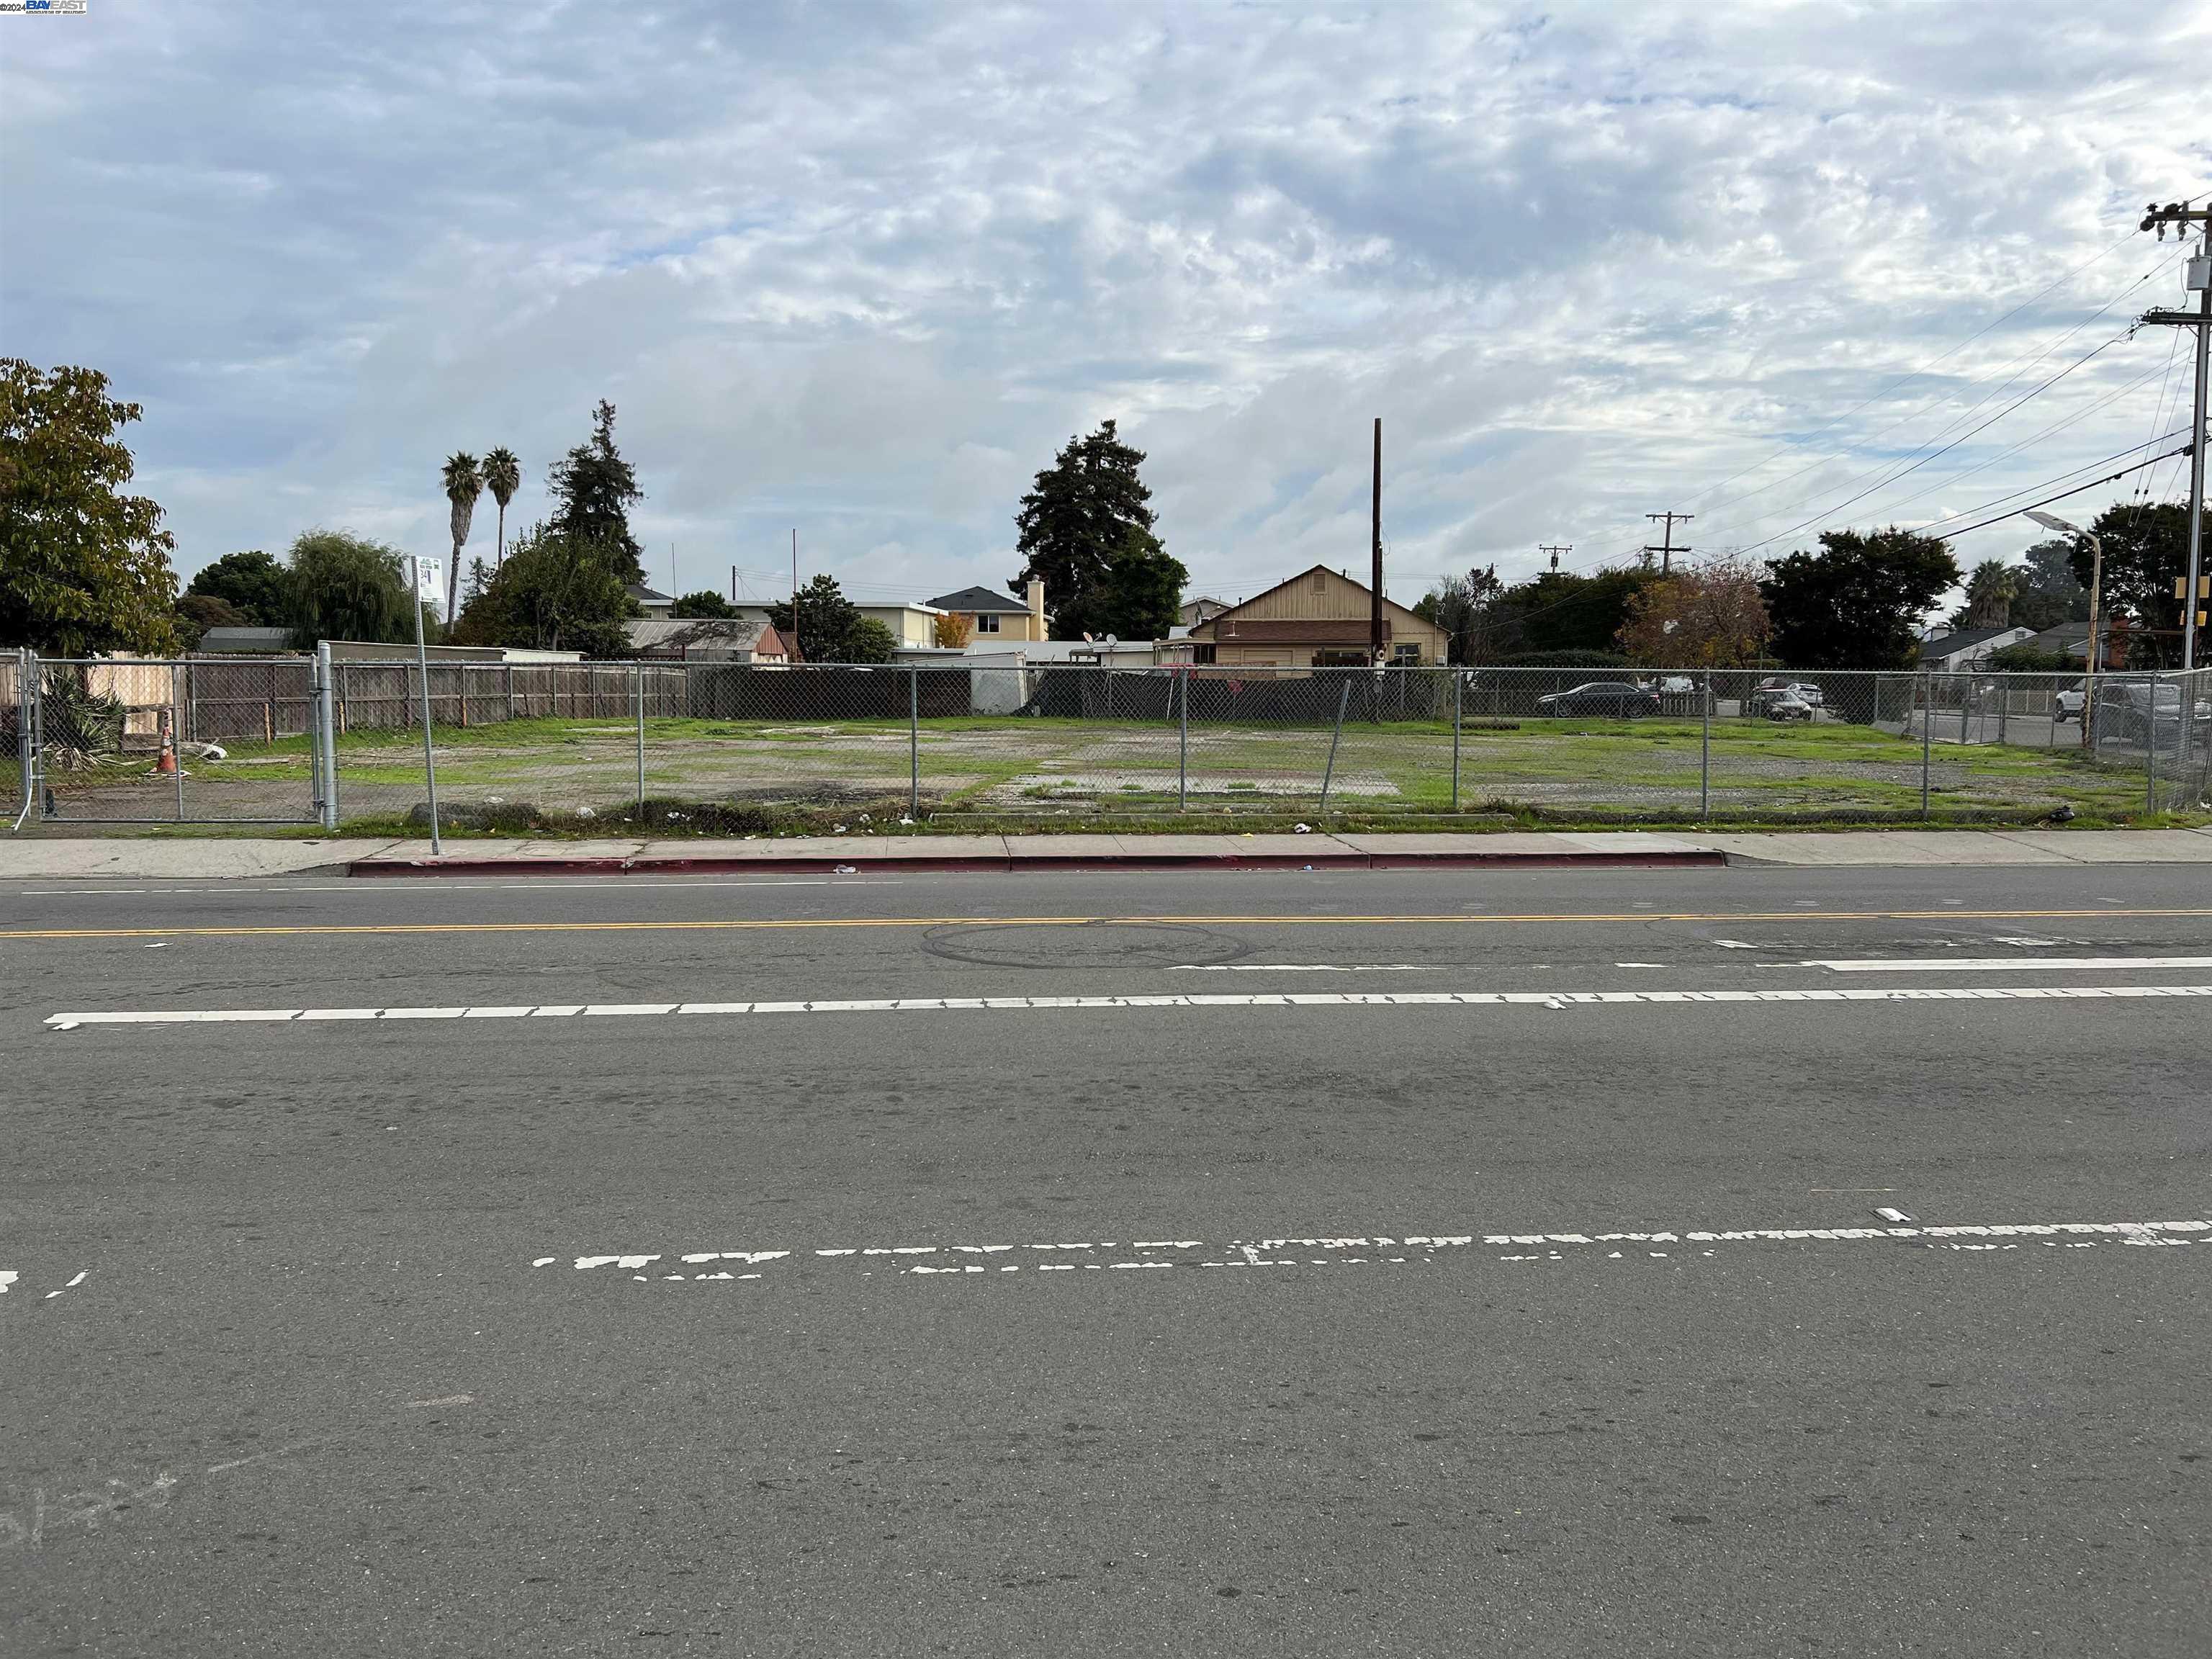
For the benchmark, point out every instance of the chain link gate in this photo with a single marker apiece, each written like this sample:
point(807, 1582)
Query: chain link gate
point(195, 740)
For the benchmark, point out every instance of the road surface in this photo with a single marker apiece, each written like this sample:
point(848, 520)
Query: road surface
point(1549, 1263)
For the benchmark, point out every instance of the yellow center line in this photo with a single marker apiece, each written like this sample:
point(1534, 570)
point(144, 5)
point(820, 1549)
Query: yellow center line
point(796, 923)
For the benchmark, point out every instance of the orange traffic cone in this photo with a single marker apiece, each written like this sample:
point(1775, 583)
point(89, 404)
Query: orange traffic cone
point(167, 761)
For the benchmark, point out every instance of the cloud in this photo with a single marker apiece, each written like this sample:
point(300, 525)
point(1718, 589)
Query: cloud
point(862, 270)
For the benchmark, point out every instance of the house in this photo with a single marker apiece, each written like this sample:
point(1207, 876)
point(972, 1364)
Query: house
point(656, 603)
point(1968, 648)
point(1317, 619)
point(996, 618)
point(245, 642)
point(1192, 612)
point(910, 624)
point(707, 639)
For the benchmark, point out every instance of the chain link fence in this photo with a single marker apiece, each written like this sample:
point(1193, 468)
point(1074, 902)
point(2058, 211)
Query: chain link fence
point(306, 740)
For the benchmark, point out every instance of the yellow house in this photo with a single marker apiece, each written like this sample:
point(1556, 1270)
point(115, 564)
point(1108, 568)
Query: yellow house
point(1317, 619)
point(997, 618)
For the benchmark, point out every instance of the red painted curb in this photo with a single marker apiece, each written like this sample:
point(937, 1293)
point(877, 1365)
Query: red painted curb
point(1699, 858)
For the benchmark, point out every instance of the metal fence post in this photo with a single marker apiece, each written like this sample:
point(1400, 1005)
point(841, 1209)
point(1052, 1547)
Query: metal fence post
point(177, 733)
point(1705, 750)
point(913, 741)
point(637, 689)
point(1182, 738)
point(1459, 687)
point(27, 720)
point(429, 755)
point(1328, 771)
point(2150, 746)
point(1927, 733)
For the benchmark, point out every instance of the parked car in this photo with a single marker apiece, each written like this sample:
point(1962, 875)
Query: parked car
point(1772, 695)
point(2069, 702)
point(1677, 685)
point(1615, 699)
point(1804, 692)
point(2138, 712)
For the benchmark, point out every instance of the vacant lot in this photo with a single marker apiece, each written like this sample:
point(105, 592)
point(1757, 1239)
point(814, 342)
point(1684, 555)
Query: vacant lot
point(1755, 769)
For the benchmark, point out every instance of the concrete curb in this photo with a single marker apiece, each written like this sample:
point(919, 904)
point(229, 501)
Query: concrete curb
point(1707, 858)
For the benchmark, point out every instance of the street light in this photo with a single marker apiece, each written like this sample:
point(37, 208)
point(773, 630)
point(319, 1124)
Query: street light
point(2052, 521)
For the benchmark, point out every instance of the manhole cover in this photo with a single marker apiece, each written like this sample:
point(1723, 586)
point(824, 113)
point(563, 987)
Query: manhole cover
point(1091, 944)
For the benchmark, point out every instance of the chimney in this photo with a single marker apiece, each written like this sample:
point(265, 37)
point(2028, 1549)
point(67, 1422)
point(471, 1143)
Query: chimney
point(1036, 609)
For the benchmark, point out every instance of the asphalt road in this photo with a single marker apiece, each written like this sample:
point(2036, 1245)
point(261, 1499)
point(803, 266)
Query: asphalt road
point(1082, 1293)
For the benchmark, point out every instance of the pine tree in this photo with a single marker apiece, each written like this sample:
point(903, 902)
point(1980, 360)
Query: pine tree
point(593, 488)
point(1086, 532)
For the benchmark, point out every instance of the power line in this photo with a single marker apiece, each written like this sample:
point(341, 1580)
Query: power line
point(1915, 374)
point(1839, 505)
point(2011, 371)
point(2013, 513)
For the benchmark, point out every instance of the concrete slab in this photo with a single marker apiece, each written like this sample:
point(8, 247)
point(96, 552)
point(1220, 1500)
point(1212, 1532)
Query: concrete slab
point(875, 849)
point(177, 859)
point(2116, 846)
point(1888, 848)
point(1104, 848)
point(506, 849)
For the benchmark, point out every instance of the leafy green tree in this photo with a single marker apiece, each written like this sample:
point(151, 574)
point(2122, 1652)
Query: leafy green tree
point(2146, 553)
point(251, 583)
point(1856, 603)
point(197, 612)
point(502, 475)
point(555, 593)
point(593, 488)
point(1559, 610)
point(872, 641)
point(83, 568)
point(831, 627)
point(705, 603)
point(1086, 532)
point(345, 587)
point(1464, 607)
point(2049, 594)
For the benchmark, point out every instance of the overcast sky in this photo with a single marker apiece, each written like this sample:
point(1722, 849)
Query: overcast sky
point(861, 269)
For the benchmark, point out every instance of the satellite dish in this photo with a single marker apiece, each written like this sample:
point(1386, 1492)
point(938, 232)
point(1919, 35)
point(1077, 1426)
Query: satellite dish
point(1110, 641)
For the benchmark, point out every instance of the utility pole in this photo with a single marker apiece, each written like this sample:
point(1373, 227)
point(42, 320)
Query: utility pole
point(2196, 279)
point(1666, 549)
point(1563, 547)
point(1374, 598)
point(794, 592)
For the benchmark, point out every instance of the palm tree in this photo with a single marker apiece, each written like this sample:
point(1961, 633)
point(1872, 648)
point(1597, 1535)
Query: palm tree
point(502, 475)
point(464, 484)
point(1990, 593)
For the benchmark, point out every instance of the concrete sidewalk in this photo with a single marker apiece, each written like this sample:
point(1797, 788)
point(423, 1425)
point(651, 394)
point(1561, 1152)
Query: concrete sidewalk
point(238, 860)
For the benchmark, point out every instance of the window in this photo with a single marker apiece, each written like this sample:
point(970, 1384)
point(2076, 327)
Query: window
point(1201, 653)
point(1405, 655)
point(1320, 582)
point(987, 622)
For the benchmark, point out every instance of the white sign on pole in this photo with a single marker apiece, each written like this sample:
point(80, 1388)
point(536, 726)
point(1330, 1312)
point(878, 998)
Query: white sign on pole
point(426, 585)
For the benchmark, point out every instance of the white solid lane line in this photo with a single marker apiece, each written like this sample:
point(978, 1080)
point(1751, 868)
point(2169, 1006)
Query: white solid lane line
point(1997, 964)
point(1551, 1000)
point(1377, 1249)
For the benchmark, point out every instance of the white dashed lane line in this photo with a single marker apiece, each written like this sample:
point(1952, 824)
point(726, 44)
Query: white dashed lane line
point(1109, 1255)
point(1551, 1000)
